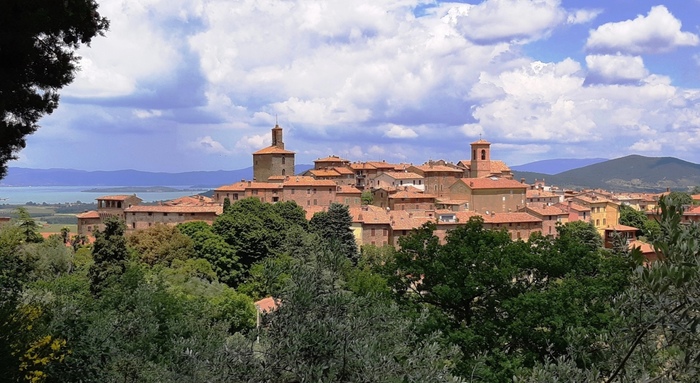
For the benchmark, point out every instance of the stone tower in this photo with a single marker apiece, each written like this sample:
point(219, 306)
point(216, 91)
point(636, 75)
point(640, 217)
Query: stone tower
point(273, 160)
point(481, 159)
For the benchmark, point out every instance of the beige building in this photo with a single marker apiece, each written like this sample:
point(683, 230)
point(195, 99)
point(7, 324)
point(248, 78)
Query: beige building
point(490, 195)
point(273, 160)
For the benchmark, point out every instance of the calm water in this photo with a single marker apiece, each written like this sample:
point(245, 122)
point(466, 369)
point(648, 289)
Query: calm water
point(61, 194)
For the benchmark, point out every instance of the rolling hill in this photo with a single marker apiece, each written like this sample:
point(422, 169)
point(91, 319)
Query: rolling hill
point(630, 173)
point(556, 166)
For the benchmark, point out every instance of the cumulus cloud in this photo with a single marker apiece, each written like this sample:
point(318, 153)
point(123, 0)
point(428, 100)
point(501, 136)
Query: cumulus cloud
point(141, 113)
point(646, 146)
point(209, 145)
point(253, 142)
point(396, 131)
point(507, 20)
point(659, 31)
point(582, 16)
point(613, 69)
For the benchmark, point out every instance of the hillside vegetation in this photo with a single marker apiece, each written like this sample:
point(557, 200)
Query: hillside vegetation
point(630, 173)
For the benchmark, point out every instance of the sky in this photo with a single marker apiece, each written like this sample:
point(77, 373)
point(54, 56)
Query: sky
point(187, 85)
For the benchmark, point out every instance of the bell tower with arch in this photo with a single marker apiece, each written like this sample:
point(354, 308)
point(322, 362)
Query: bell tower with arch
point(481, 159)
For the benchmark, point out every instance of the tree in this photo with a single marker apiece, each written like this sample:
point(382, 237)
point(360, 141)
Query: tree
point(367, 197)
point(334, 227)
point(681, 198)
point(109, 253)
point(160, 243)
point(65, 234)
point(29, 227)
point(37, 58)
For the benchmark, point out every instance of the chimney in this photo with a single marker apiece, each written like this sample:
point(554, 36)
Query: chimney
point(249, 183)
point(522, 180)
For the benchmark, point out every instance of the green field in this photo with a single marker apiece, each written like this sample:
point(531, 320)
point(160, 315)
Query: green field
point(51, 218)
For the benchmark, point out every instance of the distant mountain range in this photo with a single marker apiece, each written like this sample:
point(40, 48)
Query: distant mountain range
point(70, 177)
point(630, 173)
point(556, 166)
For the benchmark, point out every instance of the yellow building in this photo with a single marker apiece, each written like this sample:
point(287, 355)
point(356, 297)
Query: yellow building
point(604, 212)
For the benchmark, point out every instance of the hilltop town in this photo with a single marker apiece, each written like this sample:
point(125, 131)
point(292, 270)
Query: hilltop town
point(387, 200)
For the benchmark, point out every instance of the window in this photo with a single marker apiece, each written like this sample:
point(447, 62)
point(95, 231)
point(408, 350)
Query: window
point(283, 162)
point(133, 225)
point(372, 232)
point(315, 202)
point(165, 214)
point(284, 171)
point(603, 221)
point(597, 222)
point(308, 191)
point(255, 192)
point(149, 213)
point(483, 154)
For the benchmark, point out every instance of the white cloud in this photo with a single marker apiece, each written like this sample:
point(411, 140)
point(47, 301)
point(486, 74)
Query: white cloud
point(141, 113)
point(507, 20)
point(249, 144)
point(615, 68)
point(396, 131)
point(646, 146)
point(657, 32)
point(582, 16)
point(209, 145)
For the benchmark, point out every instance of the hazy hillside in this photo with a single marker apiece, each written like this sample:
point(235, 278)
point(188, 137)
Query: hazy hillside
point(70, 177)
point(556, 166)
point(630, 173)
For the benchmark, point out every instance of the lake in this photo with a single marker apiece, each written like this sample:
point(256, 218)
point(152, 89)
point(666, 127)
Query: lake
point(61, 194)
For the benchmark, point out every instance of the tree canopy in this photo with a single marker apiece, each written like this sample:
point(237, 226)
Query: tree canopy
point(38, 41)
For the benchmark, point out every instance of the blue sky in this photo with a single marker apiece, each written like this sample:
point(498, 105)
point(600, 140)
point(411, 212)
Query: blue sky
point(183, 85)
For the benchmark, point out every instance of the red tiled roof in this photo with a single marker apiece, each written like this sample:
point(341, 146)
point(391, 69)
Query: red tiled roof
point(362, 166)
point(370, 215)
point(530, 193)
point(492, 183)
point(407, 222)
point(331, 159)
point(238, 187)
point(510, 218)
point(116, 197)
point(195, 200)
point(437, 168)
point(344, 171)
point(88, 215)
point(619, 227)
point(324, 173)
point(547, 210)
point(411, 194)
point(262, 185)
point(266, 305)
point(403, 175)
point(346, 189)
point(481, 141)
point(174, 209)
point(499, 167)
point(273, 150)
point(307, 181)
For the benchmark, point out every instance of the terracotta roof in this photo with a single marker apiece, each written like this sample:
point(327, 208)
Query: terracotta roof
point(403, 175)
point(492, 183)
point(621, 228)
point(437, 168)
point(195, 200)
point(644, 247)
point(311, 210)
point(331, 159)
point(592, 199)
point(273, 150)
point(276, 178)
point(381, 164)
point(344, 171)
point(499, 167)
point(362, 166)
point(695, 197)
point(216, 209)
point(238, 187)
point(480, 141)
point(266, 305)
point(88, 215)
point(307, 181)
point(547, 210)
point(324, 173)
point(405, 221)
point(346, 189)
point(116, 197)
point(370, 214)
point(531, 193)
point(262, 185)
point(411, 194)
point(510, 218)
point(693, 210)
point(576, 207)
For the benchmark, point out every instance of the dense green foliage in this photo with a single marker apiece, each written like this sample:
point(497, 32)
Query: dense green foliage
point(176, 304)
point(37, 58)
